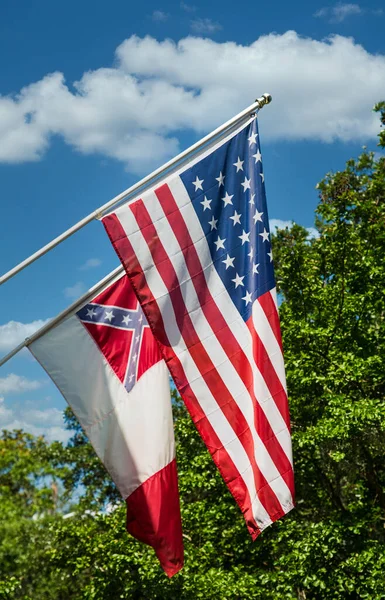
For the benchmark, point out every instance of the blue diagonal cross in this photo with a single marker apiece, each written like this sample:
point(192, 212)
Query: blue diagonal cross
point(120, 318)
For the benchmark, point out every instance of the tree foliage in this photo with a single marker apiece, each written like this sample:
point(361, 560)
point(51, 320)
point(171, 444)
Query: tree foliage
point(332, 546)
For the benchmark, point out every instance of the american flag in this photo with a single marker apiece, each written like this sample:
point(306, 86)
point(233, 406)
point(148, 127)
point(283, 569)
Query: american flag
point(197, 249)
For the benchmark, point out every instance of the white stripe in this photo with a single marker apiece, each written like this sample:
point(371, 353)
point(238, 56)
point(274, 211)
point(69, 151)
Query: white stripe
point(199, 387)
point(273, 294)
point(268, 339)
point(214, 349)
point(132, 433)
point(230, 313)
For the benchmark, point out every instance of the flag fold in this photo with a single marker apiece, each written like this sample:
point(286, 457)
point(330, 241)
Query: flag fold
point(107, 364)
point(197, 250)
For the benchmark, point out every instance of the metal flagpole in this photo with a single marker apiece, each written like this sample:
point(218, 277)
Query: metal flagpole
point(65, 313)
point(141, 186)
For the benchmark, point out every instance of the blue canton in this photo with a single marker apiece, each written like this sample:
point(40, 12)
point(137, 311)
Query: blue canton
point(119, 318)
point(227, 191)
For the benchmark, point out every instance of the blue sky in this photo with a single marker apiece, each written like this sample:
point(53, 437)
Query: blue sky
point(95, 95)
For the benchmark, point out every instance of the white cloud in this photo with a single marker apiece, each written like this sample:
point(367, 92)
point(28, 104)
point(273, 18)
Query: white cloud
point(205, 25)
point(134, 111)
point(12, 384)
point(280, 224)
point(52, 433)
point(188, 7)
point(14, 332)
point(48, 422)
point(342, 11)
point(22, 139)
point(312, 233)
point(75, 291)
point(159, 16)
point(91, 263)
point(339, 12)
point(275, 224)
point(5, 413)
point(48, 416)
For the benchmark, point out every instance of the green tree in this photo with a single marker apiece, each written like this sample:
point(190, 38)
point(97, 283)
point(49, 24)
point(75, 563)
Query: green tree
point(380, 108)
point(32, 494)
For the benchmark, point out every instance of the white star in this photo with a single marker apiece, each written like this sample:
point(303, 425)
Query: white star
point(126, 319)
point(109, 315)
point(257, 216)
point(253, 139)
point(206, 204)
point(238, 280)
point(246, 184)
point(198, 183)
point(220, 243)
point(251, 201)
point(140, 318)
point(244, 237)
point(131, 377)
point(239, 164)
point(137, 339)
point(227, 199)
point(213, 223)
point(263, 177)
point(271, 255)
point(236, 218)
point(247, 298)
point(251, 253)
point(220, 179)
point(90, 313)
point(135, 357)
point(258, 157)
point(229, 262)
point(255, 269)
point(264, 235)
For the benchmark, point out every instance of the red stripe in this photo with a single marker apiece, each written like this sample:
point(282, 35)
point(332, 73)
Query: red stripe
point(221, 458)
point(268, 372)
point(153, 517)
point(225, 336)
point(278, 393)
point(201, 358)
point(270, 310)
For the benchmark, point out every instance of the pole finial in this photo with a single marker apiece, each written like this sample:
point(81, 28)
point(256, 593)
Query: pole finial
point(267, 97)
point(264, 99)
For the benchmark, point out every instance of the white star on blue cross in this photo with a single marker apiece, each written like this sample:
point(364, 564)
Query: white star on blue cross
point(119, 318)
